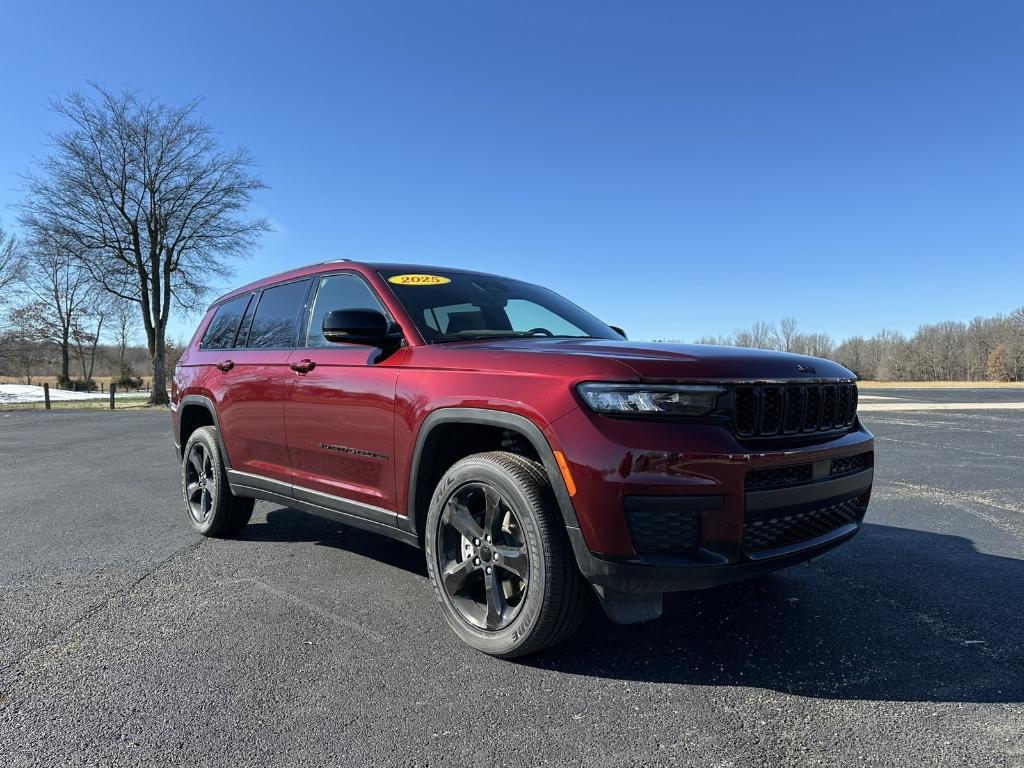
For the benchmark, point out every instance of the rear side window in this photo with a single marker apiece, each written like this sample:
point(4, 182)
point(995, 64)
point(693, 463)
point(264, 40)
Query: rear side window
point(220, 333)
point(338, 292)
point(276, 322)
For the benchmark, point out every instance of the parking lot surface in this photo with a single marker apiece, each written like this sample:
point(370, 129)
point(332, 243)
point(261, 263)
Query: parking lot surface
point(126, 639)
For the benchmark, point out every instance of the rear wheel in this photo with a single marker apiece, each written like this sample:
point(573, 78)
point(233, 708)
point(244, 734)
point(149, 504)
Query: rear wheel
point(499, 559)
point(212, 509)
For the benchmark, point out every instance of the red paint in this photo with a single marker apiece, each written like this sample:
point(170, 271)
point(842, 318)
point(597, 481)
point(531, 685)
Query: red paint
point(275, 420)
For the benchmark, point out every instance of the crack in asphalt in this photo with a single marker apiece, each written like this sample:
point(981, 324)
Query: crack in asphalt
point(93, 610)
point(323, 613)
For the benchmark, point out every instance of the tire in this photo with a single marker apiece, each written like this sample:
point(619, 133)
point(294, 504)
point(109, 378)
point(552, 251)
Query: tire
point(211, 507)
point(518, 591)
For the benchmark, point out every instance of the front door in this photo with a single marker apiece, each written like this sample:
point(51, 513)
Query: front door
point(340, 405)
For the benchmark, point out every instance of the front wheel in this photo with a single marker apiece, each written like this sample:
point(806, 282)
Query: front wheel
point(499, 558)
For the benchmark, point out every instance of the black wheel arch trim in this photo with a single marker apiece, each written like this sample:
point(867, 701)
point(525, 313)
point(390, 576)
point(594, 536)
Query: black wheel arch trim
point(488, 417)
point(207, 404)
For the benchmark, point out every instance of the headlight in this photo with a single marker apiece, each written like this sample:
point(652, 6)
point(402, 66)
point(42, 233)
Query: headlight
point(651, 399)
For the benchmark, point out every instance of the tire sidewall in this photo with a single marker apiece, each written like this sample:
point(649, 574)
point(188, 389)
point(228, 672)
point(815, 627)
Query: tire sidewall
point(207, 437)
point(518, 633)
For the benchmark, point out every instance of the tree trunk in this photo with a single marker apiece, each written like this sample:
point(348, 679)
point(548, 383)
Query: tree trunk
point(159, 394)
point(65, 360)
point(92, 349)
point(121, 351)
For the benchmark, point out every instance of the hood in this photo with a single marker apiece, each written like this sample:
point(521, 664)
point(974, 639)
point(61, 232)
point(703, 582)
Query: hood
point(653, 361)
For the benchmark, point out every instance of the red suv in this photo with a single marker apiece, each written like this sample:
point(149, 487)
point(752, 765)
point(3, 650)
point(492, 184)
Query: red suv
point(535, 454)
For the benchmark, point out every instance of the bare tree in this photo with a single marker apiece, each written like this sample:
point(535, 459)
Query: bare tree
point(789, 329)
point(1015, 343)
point(854, 354)
point(154, 205)
point(997, 370)
point(24, 343)
point(760, 335)
point(125, 325)
point(719, 341)
point(11, 263)
point(61, 288)
point(814, 344)
point(87, 337)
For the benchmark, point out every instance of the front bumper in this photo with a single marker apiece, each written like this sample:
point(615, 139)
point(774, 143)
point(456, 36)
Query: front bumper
point(702, 568)
point(692, 485)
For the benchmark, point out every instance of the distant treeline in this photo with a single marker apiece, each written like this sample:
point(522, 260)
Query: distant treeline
point(45, 362)
point(985, 349)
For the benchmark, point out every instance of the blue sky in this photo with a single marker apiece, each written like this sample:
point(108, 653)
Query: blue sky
point(678, 168)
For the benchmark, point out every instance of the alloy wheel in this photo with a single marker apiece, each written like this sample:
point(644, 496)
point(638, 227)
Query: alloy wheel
point(200, 483)
point(483, 560)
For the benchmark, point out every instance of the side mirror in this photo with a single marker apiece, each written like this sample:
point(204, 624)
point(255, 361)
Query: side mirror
point(619, 331)
point(361, 326)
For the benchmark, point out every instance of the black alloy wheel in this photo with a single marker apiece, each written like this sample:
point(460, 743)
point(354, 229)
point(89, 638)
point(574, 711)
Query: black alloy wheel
point(200, 483)
point(485, 564)
point(499, 557)
point(213, 510)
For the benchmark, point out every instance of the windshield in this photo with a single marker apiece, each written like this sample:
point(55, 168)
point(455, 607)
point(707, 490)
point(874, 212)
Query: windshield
point(456, 306)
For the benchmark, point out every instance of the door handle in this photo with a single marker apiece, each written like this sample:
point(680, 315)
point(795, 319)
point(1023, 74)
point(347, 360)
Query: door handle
point(302, 366)
point(225, 365)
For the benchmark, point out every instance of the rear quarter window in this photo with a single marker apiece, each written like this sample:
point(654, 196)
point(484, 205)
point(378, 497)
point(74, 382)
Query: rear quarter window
point(221, 332)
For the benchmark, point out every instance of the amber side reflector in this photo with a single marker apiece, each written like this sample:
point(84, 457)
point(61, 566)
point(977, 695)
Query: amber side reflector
point(566, 475)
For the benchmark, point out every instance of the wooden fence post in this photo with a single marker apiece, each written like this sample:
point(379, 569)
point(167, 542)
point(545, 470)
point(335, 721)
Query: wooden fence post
point(46, 395)
point(113, 389)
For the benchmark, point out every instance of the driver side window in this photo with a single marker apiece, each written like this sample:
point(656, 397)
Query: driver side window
point(344, 291)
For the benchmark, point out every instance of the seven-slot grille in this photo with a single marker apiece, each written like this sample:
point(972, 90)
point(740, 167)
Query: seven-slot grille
point(770, 410)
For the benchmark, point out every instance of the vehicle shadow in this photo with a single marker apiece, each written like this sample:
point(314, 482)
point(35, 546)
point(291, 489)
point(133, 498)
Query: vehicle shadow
point(895, 615)
point(291, 525)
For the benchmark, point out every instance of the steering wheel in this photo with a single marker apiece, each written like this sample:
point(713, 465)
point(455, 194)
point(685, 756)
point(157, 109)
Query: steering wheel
point(535, 331)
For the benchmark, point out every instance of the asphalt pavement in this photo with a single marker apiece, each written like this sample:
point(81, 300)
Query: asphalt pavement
point(125, 639)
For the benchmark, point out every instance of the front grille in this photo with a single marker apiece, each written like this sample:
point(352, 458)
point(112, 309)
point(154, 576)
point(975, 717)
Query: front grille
point(781, 531)
point(774, 410)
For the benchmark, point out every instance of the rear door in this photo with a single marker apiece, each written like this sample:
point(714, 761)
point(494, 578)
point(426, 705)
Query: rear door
point(252, 391)
point(340, 405)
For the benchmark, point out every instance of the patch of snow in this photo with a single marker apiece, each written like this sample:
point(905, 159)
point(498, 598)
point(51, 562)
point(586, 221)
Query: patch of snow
point(30, 393)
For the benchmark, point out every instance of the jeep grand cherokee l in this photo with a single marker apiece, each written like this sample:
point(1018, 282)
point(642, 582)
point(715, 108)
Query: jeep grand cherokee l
point(536, 455)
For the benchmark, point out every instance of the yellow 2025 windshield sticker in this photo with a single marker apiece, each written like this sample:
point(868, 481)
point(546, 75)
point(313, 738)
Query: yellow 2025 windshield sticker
point(418, 280)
